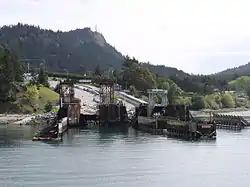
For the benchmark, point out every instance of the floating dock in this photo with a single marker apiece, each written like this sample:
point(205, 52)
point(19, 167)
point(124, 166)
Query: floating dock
point(170, 120)
point(53, 132)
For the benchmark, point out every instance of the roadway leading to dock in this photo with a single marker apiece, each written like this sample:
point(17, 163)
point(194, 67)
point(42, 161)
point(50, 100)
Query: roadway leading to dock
point(88, 105)
point(88, 95)
point(85, 92)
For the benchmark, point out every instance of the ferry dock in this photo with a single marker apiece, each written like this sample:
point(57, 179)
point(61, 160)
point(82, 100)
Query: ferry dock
point(109, 111)
point(112, 111)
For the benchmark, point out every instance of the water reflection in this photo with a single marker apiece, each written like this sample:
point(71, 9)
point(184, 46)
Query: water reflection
point(123, 157)
point(70, 134)
point(104, 135)
point(54, 143)
point(110, 134)
point(12, 136)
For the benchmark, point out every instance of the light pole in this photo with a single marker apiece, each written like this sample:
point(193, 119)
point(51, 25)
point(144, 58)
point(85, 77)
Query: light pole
point(67, 73)
point(43, 66)
point(28, 67)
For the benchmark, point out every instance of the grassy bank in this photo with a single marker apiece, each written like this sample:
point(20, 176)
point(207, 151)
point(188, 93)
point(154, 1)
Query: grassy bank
point(31, 100)
point(46, 95)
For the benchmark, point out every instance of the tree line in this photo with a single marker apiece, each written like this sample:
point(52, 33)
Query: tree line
point(197, 91)
point(11, 72)
point(16, 94)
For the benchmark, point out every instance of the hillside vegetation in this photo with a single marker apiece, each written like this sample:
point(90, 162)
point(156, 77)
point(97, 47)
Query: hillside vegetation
point(79, 51)
point(15, 95)
point(76, 51)
point(234, 73)
point(82, 50)
point(138, 79)
point(241, 83)
point(32, 100)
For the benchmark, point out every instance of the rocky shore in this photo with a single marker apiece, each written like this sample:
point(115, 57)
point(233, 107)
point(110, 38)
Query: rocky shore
point(229, 111)
point(12, 118)
point(24, 119)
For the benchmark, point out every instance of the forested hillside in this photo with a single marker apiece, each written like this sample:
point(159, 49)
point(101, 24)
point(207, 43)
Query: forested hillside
point(82, 50)
point(18, 96)
point(233, 73)
point(197, 91)
point(77, 51)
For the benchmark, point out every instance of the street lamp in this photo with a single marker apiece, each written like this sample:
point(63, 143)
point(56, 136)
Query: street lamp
point(67, 73)
point(43, 66)
point(28, 67)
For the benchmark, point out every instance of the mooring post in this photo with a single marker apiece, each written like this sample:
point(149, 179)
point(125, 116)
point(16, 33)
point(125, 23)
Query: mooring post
point(60, 129)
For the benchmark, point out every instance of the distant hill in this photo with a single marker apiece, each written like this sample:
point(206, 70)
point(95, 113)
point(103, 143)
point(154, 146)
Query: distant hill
point(233, 73)
point(82, 50)
point(164, 71)
point(77, 50)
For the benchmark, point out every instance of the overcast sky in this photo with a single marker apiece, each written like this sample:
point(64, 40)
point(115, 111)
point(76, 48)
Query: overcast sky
point(196, 36)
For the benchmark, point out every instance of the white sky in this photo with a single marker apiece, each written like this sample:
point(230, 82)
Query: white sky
point(196, 36)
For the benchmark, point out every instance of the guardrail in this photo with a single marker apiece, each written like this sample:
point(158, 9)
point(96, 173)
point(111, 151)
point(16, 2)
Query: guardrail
point(130, 99)
point(126, 97)
point(87, 89)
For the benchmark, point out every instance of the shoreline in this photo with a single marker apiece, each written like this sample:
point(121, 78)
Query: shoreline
point(227, 111)
point(22, 119)
point(223, 110)
point(15, 118)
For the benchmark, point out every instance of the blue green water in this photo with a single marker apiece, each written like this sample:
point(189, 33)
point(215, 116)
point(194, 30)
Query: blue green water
point(122, 159)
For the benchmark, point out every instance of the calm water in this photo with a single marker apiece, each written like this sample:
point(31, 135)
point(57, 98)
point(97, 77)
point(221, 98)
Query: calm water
point(93, 158)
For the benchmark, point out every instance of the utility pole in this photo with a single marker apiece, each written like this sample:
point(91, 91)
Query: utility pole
point(67, 73)
point(28, 67)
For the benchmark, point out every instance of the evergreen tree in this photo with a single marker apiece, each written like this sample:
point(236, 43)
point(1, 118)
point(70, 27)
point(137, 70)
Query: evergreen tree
point(18, 69)
point(11, 71)
point(48, 107)
point(8, 67)
point(98, 71)
point(43, 77)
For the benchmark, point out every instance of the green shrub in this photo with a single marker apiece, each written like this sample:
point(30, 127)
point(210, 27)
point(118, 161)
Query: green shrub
point(48, 106)
point(227, 100)
point(32, 93)
point(197, 103)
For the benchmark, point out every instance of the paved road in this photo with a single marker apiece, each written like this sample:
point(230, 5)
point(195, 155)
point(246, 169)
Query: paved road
point(87, 97)
point(87, 103)
point(95, 89)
